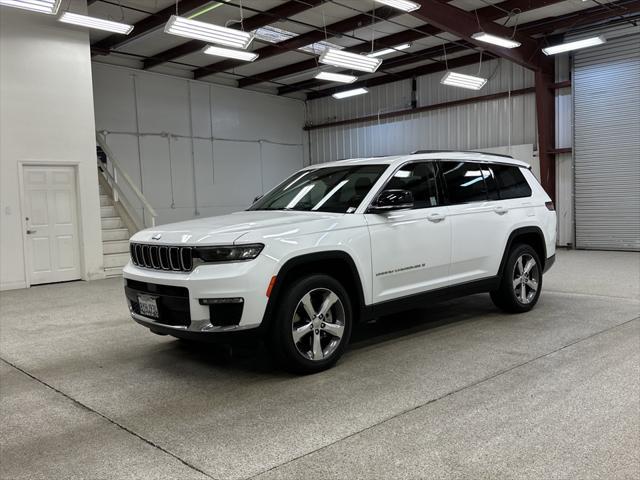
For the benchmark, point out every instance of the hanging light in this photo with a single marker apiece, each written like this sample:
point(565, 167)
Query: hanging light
point(353, 61)
point(574, 45)
point(230, 53)
point(188, 28)
point(462, 80)
point(96, 23)
point(404, 5)
point(43, 6)
point(387, 51)
point(495, 40)
point(336, 77)
point(350, 93)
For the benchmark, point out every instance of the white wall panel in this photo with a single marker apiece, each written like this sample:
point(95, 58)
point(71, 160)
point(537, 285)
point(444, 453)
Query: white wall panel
point(46, 117)
point(196, 148)
point(506, 121)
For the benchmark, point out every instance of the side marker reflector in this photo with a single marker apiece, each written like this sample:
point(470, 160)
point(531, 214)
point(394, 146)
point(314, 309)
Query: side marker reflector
point(272, 282)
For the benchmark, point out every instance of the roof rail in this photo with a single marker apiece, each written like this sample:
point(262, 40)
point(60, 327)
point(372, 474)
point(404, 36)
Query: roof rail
point(462, 151)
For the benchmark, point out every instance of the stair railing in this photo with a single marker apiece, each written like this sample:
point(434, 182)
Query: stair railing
point(118, 177)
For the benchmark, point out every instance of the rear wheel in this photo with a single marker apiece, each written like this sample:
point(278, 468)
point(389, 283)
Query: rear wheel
point(312, 324)
point(521, 281)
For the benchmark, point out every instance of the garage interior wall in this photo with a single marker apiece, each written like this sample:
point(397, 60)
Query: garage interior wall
point(194, 148)
point(492, 123)
point(46, 117)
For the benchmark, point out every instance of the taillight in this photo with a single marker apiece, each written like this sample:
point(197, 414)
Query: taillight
point(550, 206)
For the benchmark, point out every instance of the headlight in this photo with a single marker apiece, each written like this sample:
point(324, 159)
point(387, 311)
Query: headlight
point(234, 253)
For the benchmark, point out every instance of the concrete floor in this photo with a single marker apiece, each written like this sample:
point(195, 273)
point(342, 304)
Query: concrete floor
point(458, 390)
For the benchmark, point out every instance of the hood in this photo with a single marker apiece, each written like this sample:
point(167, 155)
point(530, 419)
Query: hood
point(225, 229)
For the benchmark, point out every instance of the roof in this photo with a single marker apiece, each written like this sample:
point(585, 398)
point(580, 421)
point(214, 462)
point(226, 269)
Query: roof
point(291, 34)
point(432, 155)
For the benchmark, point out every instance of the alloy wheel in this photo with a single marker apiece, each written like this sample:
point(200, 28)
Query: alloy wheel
point(526, 279)
point(318, 324)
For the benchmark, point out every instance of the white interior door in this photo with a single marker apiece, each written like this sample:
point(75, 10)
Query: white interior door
point(52, 244)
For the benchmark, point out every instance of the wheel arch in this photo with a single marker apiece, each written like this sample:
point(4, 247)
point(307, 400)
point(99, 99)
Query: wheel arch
point(336, 263)
point(530, 235)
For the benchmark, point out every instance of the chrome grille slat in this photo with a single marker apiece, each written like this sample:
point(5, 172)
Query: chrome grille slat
point(162, 257)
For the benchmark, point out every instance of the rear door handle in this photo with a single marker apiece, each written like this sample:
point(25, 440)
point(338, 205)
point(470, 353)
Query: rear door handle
point(500, 210)
point(435, 217)
point(29, 232)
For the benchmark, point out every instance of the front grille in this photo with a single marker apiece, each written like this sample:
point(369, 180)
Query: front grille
point(162, 257)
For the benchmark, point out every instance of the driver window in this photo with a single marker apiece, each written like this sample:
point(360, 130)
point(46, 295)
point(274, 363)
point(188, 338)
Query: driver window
point(421, 180)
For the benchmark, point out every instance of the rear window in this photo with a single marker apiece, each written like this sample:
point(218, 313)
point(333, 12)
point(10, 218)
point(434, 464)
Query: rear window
point(511, 182)
point(465, 181)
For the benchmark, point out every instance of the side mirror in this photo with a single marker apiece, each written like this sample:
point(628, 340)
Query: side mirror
point(389, 200)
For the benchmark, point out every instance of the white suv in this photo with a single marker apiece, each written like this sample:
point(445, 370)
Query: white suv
point(344, 242)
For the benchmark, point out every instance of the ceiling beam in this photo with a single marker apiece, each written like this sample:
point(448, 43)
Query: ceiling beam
point(144, 26)
point(292, 44)
point(281, 12)
point(581, 18)
point(464, 24)
point(488, 13)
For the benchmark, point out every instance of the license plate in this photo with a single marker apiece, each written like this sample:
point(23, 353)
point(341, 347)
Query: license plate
point(148, 306)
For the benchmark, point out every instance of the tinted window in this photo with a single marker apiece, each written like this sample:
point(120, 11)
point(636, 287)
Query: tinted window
point(421, 180)
point(511, 182)
point(329, 189)
point(490, 183)
point(465, 181)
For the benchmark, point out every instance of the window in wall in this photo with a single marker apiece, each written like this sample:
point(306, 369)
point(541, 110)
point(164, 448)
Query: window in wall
point(421, 180)
point(464, 181)
point(511, 182)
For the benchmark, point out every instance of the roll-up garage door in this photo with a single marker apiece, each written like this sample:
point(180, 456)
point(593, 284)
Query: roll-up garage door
point(607, 145)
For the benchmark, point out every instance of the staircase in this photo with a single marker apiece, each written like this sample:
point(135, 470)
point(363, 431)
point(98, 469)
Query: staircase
point(119, 218)
point(115, 236)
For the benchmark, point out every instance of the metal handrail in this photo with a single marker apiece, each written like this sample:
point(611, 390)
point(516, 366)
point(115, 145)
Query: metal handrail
point(119, 172)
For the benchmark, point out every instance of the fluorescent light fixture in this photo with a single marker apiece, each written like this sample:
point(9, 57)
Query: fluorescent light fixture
point(350, 93)
point(387, 51)
point(495, 40)
point(188, 28)
point(404, 5)
point(43, 6)
point(336, 77)
point(230, 53)
point(96, 23)
point(575, 45)
point(354, 61)
point(463, 81)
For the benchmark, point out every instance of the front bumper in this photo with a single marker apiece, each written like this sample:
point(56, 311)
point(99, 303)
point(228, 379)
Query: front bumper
point(179, 296)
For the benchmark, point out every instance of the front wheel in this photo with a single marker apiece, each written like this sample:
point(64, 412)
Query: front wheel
point(312, 324)
point(521, 282)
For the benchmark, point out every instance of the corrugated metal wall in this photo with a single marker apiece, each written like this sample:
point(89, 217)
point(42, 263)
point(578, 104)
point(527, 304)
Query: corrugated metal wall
point(507, 121)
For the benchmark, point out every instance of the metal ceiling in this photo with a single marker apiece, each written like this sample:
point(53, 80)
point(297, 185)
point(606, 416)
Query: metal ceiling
point(287, 67)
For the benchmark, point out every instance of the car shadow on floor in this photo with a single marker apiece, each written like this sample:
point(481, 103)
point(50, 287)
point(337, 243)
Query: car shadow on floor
point(254, 357)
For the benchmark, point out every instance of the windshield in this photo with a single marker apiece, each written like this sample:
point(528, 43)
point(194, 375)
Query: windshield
point(330, 189)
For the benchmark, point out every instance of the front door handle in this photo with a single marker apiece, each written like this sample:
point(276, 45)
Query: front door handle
point(435, 217)
point(29, 232)
point(500, 210)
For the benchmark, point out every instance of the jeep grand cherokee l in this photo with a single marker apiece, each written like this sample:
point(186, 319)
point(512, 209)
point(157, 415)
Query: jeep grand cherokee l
point(343, 242)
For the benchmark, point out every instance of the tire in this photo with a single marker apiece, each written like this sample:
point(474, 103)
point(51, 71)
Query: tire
point(510, 296)
point(322, 334)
